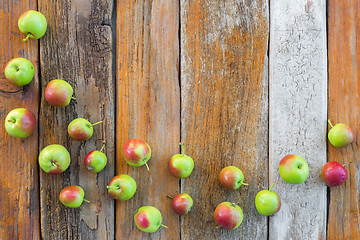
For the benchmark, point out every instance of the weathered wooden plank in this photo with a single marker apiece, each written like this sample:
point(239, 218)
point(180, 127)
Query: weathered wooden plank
point(78, 49)
point(297, 115)
point(344, 88)
point(148, 107)
point(224, 110)
point(19, 189)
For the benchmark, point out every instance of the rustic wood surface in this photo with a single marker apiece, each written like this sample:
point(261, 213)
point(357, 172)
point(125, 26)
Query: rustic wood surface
point(211, 74)
point(297, 117)
point(148, 108)
point(213, 78)
point(344, 102)
point(77, 47)
point(19, 188)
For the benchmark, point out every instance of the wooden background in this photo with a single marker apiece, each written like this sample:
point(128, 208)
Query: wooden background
point(238, 82)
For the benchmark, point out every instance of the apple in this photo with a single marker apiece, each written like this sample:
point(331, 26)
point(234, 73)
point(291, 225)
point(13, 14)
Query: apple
point(148, 219)
point(19, 71)
point(228, 215)
point(122, 187)
point(136, 152)
point(59, 93)
point(95, 161)
point(334, 174)
point(33, 24)
point(81, 129)
point(340, 135)
point(293, 169)
point(231, 177)
point(20, 123)
point(181, 165)
point(182, 203)
point(72, 196)
point(54, 159)
point(267, 202)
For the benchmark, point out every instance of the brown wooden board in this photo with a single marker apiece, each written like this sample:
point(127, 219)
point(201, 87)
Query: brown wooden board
point(148, 108)
point(224, 110)
point(19, 189)
point(78, 48)
point(344, 103)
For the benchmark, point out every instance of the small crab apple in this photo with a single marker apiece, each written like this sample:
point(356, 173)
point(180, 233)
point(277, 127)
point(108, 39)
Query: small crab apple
point(181, 165)
point(72, 196)
point(95, 161)
point(136, 152)
point(340, 135)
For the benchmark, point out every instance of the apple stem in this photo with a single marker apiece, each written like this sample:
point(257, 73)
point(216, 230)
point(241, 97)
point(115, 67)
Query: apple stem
point(346, 164)
point(218, 227)
point(95, 123)
point(330, 123)
point(86, 200)
point(163, 225)
point(108, 187)
point(271, 186)
point(170, 197)
point(182, 148)
point(73, 98)
point(27, 37)
point(147, 166)
point(53, 164)
point(246, 184)
point(102, 148)
point(11, 121)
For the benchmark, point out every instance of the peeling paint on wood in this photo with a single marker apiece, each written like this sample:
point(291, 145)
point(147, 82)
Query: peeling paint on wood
point(298, 108)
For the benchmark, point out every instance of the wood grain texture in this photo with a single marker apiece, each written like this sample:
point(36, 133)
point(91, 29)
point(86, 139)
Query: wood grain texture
point(78, 49)
point(344, 105)
point(19, 189)
point(224, 111)
point(297, 117)
point(148, 108)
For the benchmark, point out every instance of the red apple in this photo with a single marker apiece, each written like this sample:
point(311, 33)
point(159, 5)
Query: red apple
point(231, 178)
point(182, 204)
point(334, 174)
point(136, 152)
point(58, 93)
point(72, 196)
point(228, 215)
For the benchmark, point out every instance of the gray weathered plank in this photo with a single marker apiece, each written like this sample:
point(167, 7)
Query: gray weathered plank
point(78, 48)
point(298, 112)
point(224, 111)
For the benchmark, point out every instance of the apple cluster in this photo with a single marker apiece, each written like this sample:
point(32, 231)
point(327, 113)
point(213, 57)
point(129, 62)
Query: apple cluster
point(55, 159)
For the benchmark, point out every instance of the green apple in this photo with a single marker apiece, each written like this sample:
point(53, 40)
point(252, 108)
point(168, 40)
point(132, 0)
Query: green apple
point(54, 159)
point(228, 215)
point(81, 129)
point(181, 165)
point(95, 161)
point(59, 93)
point(72, 196)
point(33, 24)
point(122, 187)
point(20, 123)
point(340, 135)
point(293, 169)
point(182, 203)
point(19, 71)
point(148, 219)
point(231, 177)
point(136, 153)
point(267, 202)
